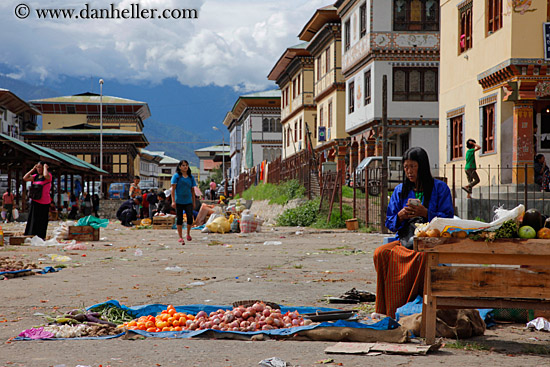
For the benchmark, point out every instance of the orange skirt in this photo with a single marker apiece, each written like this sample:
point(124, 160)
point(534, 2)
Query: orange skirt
point(400, 276)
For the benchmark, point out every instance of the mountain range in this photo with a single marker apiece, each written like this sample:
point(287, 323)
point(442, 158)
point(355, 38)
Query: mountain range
point(181, 119)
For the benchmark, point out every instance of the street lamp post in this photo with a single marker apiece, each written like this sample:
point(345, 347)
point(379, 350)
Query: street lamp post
point(100, 134)
point(223, 158)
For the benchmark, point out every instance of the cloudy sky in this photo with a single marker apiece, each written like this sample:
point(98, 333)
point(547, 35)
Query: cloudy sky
point(232, 43)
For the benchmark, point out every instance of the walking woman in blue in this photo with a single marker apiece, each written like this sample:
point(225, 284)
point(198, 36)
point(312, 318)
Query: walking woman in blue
point(183, 197)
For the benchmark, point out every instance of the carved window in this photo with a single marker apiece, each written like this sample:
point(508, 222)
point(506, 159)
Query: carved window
point(465, 39)
point(347, 35)
point(367, 86)
point(265, 124)
point(456, 137)
point(351, 97)
point(415, 84)
point(415, 15)
point(494, 16)
point(363, 19)
point(488, 128)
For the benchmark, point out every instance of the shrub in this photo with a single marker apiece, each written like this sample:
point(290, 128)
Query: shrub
point(304, 215)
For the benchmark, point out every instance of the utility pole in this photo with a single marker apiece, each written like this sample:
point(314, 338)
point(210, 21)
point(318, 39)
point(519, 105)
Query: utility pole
point(384, 181)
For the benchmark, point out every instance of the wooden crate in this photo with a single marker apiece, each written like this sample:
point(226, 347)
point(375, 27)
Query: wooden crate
point(164, 220)
point(16, 240)
point(83, 233)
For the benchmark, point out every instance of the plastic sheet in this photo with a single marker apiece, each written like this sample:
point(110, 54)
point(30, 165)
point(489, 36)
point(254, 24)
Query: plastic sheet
point(92, 221)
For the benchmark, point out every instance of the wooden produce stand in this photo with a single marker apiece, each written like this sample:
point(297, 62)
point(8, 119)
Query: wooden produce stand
point(457, 275)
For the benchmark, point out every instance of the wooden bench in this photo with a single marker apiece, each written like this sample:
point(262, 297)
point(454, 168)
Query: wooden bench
point(465, 281)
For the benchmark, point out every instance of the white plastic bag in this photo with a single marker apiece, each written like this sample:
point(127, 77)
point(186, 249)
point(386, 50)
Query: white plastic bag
point(15, 213)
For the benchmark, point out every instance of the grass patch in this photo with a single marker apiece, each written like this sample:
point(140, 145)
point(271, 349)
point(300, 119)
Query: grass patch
point(304, 215)
point(336, 221)
point(276, 194)
point(335, 248)
point(536, 349)
point(459, 344)
point(347, 192)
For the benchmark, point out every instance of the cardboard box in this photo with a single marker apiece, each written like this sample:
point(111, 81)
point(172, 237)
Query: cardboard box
point(83, 233)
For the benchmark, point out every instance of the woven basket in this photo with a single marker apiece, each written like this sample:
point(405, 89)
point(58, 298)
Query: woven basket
point(250, 302)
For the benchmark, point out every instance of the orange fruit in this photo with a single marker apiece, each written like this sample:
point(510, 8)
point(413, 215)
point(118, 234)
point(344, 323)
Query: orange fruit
point(149, 324)
point(177, 328)
point(171, 312)
point(132, 323)
point(151, 330)
point(164, 317)
point(190, 317)
point(182, 320)
point(170, 320)
point(141, 326)
point(166, 328)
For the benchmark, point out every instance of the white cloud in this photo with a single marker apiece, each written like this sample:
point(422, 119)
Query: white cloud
point(234, 43)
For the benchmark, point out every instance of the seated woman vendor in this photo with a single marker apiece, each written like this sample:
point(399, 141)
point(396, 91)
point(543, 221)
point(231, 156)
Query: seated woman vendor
point(400, 271)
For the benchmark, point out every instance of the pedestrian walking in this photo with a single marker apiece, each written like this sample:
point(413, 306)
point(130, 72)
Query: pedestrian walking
point(471, 169)
point(39, 192)
point(183, 198)
point(542, 173)
point(212, 189)
point(7, 203)
point(95, 204)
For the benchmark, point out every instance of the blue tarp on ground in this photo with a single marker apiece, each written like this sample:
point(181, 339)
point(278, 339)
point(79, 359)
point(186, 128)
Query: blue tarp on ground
point(153, 309)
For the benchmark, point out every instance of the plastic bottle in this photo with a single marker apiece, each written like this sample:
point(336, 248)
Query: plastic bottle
point(1, 237)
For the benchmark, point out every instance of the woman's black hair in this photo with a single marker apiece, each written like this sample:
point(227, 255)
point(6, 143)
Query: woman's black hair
point(178, 170)
point(424, 179)
point(538, 156)
point(470, 143)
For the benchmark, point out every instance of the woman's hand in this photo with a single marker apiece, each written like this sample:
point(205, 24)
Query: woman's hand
point(411, 211)
point(174, 204)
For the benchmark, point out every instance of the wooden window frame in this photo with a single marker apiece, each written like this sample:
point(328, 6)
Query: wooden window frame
point(363, 20)
point(489, 117)
point(423, 94)
point(456, 143)
point(367, 86)
point(329, 110)
point(409, 25)
point(465, 18)
point(347, 35)
point(494, 16)
point(327, 60)
point(351, 97)
point(321, 110)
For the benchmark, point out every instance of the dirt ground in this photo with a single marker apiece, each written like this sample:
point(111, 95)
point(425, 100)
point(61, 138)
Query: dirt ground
point(130, 266)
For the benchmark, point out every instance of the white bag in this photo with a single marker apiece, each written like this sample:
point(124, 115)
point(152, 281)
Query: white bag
point(15, 213)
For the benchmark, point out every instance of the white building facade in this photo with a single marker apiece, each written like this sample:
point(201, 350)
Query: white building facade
point(399, 39)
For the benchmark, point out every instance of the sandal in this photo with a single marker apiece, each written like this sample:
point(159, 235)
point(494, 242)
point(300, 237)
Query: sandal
point(189, 238)
point(181, 241)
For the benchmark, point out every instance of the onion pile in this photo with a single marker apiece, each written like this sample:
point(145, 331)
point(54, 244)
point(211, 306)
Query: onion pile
point(254, 318)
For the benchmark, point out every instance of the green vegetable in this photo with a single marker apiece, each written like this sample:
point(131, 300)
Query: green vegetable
point(508, 229)
point(114, 314)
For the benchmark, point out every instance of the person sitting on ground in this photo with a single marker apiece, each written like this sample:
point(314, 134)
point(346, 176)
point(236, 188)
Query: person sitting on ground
point(127, 212)
point(542, 173)
point(400, 271)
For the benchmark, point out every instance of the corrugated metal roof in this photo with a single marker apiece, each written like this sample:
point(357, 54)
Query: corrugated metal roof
point(29, 147)
point(82, 132)
point(214, 148)
point(88, 98)
point(274, 93)
point(70, 159)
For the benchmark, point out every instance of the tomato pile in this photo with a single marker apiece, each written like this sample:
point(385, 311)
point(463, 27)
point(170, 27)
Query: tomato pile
point(254, 318)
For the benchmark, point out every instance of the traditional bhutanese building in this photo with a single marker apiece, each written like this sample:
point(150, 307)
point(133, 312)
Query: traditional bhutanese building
point(399, 39)
point(71, 124)
point(495, 85)
point(323, 33)
point(254, 125)
point(293, 73)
